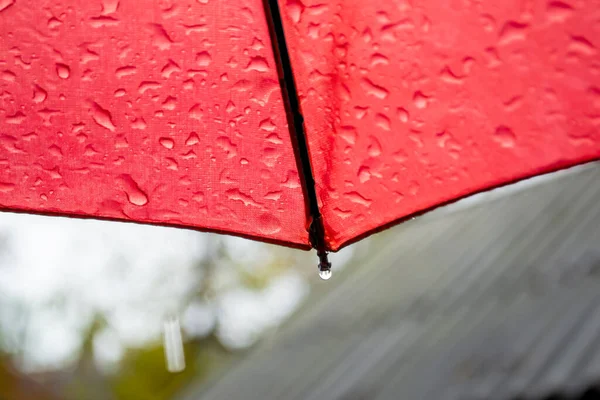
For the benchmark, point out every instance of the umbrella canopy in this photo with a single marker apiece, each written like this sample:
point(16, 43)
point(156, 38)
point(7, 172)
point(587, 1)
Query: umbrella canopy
point(271, 120)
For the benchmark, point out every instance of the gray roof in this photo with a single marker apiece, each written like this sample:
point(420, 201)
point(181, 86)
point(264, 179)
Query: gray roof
point(497, 300)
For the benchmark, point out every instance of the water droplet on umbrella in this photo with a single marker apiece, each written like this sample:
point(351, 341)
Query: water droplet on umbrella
point(134, 194)
point(139, 123)
point(109, 6)
point(294, 9)
point(511, 32)
point(402, 114)
point(39, 94)
point(160, 37)
point(102, 117)
point(420, 100)
point(558, 11)
point(267, 125)
point(325, 274)
point(9, 76)
point(148, 85)
point(4, 4)
point(16, 118)
point(169, 69)
point(348, 133)
point(54, 23)
point(268, 224)
point(378, 59)
point(383, 122)
point(6, 187)
point(167, 143)
point(259, 64)
point(125, 71)
point(374, 90)
point(203, 59)
point(581, 45)
point(505, 136)
point(170, 103)
point(196, 112)
point(63, 71)
point(192, 139)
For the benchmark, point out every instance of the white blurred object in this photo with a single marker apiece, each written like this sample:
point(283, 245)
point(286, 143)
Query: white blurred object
point(173, 344)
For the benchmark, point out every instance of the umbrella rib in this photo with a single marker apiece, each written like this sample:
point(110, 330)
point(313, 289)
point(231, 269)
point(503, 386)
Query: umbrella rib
point(296, 125)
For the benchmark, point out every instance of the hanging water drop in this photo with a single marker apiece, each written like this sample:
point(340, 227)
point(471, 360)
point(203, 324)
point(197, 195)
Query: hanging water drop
point(325, 274)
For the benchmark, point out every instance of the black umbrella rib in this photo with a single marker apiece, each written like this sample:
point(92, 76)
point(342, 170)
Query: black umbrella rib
point(296, 124)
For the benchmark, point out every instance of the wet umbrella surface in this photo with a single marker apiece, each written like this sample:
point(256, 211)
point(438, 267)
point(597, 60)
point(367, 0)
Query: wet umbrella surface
point(305, 123)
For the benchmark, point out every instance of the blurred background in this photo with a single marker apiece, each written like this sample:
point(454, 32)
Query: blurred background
point(496, 296)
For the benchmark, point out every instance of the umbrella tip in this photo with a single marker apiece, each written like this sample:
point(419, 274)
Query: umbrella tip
point(324, 265)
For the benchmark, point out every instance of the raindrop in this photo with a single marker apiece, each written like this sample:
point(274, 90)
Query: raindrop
point(39, 94)
point(559, 11)
point(364, 174)
point(125, 71)
point(259, 64)
point(172, 164)
point(511, 32)
point(192, 139)
point(15, 119)
point(55, 151)
point(4, 4)
point(383, 122)
point(9, 76)
point(294, 8)
point(360, 112)
point(325, 274)
point(9, 143)
point(420, 100)
point(170, 68)
point(267, 125)
point(54, 23)
point(102, 117)
point(581, 45)
point(63, 71)
point(203, 59)
point(227, 146)
point(402, 114)
point(373, 89)
point(6, 187)
point(134, 194)
point(147, 85)
point(348, 133)
point(374, 149)
point(268, 224)
point(161, 38)
point(139, 123)
point(196, 112)
point(109, 6)
point(379, 59)
point(167, 143)
point(170, 103)
point(505, 136)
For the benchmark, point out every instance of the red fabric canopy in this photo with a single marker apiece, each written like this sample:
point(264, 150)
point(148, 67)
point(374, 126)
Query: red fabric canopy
point(171, 112)
point(409, 105)
point(166, 112)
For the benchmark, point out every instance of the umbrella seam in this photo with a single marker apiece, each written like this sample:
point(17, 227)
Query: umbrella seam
point(295, 118)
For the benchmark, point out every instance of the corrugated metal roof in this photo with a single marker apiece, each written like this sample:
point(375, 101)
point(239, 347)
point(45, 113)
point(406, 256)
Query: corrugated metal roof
point(492, 302)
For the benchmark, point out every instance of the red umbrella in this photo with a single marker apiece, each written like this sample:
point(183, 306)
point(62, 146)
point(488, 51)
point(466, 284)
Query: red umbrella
point(186, 113)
